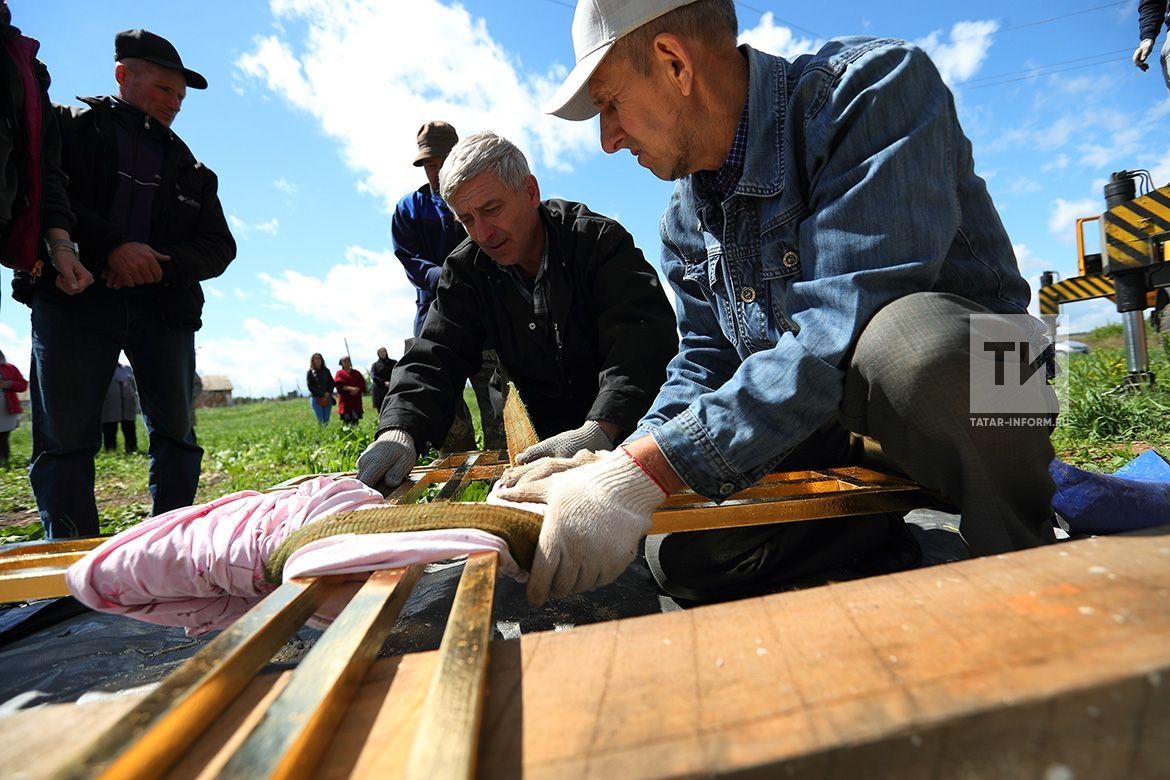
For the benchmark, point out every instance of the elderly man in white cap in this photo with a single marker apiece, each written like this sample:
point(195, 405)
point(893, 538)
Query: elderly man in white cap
point(828, 243)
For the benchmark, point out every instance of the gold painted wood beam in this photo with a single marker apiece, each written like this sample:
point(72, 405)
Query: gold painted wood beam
point(447, 739)
point(298, 726)
point(148, 740)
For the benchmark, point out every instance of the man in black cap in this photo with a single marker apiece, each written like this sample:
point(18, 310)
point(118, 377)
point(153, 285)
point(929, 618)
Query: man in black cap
point(424, 232)
point(149, 227)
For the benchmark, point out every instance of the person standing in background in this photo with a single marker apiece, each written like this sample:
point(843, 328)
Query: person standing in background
point(1152, 15)
point(11, 383)
point(424, 232)
point(320, 387)
point(150, 228)
point(351, 386)
point(380, 377)
point(121, 408)
point(34, 203)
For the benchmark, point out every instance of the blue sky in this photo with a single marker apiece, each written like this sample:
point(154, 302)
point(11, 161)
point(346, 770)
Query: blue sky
point(313, 106)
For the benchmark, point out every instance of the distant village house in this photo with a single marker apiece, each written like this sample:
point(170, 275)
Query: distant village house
point(217, 391)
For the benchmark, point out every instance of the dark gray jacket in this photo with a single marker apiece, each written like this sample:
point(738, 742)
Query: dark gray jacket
point(603, 357)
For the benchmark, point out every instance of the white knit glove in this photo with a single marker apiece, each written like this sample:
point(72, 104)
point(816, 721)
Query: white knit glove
point(596, 515)
point(545, 467)
point(588, 437)
point(387, 460)
point(1142, 52)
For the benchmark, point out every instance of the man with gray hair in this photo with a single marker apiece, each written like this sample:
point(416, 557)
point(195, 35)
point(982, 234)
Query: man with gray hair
point(570, 305)
point(829, 243)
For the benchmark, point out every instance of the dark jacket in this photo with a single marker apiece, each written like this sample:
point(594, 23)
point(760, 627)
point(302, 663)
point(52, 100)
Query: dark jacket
point(603, 357)
point(424, 232)
point(319, 381)
point(1151, 15)
point(14, 167)
point(188, 222)
point(380, 373)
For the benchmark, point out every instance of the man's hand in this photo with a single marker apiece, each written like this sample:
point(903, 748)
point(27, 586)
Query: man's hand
point(545, 467)
point(73, 277)
point(1142, 53)
point(133, 263)
point(596, 515)
point(387, 460)
point(590, 436)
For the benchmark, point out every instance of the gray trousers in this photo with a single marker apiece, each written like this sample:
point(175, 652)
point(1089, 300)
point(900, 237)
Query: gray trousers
point(907, 387)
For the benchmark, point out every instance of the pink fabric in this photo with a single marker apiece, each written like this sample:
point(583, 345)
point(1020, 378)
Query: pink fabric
point(202, 567)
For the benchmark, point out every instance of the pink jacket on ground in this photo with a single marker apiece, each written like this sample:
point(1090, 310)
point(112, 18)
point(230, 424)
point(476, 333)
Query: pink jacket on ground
point(202, 567)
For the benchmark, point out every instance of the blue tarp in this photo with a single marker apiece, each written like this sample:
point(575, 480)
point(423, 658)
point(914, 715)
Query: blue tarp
point(1136, 496)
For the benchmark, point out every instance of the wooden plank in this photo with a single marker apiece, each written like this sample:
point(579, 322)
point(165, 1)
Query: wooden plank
point(147, 740)
point(59, 546)
point(451, 487)
point(30, 584)
point(447, 738)
point(1046, 662)
point(289, 739)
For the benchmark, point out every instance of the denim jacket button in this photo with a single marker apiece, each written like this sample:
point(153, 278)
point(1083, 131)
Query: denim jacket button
point(747, 294)
point(726, 489)
point(790, 259)
point(532, 326)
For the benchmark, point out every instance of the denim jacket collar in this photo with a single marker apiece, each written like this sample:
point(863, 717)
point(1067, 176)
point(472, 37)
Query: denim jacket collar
point(763, 168)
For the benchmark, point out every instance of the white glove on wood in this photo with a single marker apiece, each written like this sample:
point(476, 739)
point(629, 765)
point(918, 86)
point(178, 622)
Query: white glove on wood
point(388, 459)
point(588, 437)
point(596, 515)
point(1142, 52)
point(545, 467)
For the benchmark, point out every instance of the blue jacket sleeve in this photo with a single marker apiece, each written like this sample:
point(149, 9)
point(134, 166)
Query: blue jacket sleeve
point(422, 271)
point(885, 129)
point(1151, 14)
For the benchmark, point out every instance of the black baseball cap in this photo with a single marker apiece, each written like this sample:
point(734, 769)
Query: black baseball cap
point(145, 45)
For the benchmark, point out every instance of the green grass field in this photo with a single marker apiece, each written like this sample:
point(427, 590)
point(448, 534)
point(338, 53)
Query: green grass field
point(256, 445)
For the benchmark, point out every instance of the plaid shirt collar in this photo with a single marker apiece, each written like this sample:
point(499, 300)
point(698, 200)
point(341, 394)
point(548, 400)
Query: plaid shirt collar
point(725, 180)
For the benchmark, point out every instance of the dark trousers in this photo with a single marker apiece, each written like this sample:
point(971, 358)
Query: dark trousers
point(461, 435)
point(907, 387)
point(5, 454)
point(129, 434)
point(75, 346)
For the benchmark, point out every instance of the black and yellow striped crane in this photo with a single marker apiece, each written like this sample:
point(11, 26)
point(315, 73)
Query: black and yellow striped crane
point(1132, 269)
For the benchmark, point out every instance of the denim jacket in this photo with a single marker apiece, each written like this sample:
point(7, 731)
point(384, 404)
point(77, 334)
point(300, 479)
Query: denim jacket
point(858, 188)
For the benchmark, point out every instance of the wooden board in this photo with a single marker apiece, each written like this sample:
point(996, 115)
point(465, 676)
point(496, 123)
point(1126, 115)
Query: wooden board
point(1053, 662)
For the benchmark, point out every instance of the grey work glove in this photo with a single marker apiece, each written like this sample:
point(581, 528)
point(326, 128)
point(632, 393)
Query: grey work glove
point(387, 460)
point(564, 445)
point(596, 515)
point(1142, 52)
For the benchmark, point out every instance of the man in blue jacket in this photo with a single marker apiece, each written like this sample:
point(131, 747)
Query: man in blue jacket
point(424, 232)
point(831, 250)
point(1152, 14)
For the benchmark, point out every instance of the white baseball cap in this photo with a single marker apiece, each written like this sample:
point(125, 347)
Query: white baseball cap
point(597, 25)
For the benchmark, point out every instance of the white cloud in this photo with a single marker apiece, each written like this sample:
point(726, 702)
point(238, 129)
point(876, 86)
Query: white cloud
point(240, 294)
point(1058, 163)
point(285, 186)
point(365, 300)
point(213, 291)
point(17, 348)
point(1022, 185)
point(244, 230)
point(768, 37)
point(1063, 215)
point(362, 69)
point(960, 58)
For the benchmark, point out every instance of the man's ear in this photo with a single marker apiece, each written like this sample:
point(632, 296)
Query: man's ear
point(532, 189)
point(121, 74)
point(673, 56)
